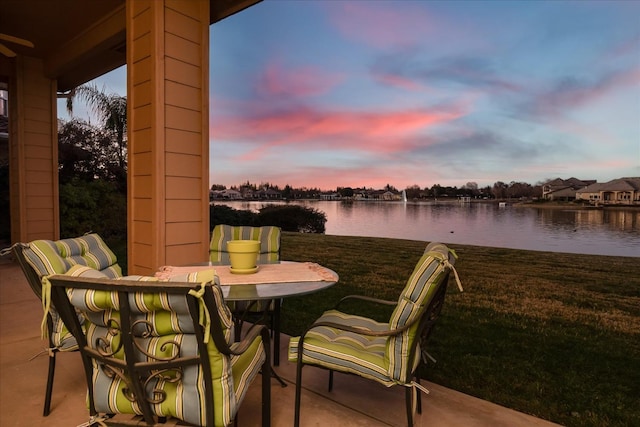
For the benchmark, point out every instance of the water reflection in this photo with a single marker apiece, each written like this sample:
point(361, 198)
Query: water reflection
point(608, 231)
point(615, 220)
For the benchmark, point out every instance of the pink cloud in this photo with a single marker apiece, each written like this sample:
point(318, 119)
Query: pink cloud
point(625, 48)
point(386, 132)
point(381, 26)
point(573, 94)
point(398, 81)
point(385, 25)
point(277, 80)
point(586, 132)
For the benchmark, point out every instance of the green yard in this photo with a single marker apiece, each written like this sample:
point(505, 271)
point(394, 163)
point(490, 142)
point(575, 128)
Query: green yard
point(551, 334)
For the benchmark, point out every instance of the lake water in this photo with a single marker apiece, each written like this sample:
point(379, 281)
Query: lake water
point(611, 231)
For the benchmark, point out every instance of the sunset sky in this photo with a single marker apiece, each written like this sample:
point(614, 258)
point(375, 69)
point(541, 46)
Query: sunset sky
point(368, 93)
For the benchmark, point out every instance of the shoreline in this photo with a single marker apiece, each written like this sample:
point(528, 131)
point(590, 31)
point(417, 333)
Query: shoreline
point(508, 203)
point(572, 206)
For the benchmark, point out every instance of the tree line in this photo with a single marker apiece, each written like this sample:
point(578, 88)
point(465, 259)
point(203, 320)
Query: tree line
point(499, 190)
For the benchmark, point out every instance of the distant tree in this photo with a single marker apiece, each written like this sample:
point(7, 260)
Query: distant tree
point(518, 189)
point(345, 191)
point(93, 168)
point(267, 185)
point(471, 189)
point(413, 192)
point(436, 190)
point(288, 193)
point(536, 191)
point(499, 190)
point(390, 187)
point(247, 186)
point(309, 193)
point(218, 187)
point(111, 110)
point(485, 191)
point(86, 152)
point(75, 139)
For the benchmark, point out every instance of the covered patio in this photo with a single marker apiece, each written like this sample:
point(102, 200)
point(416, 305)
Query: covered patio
point(351, 403)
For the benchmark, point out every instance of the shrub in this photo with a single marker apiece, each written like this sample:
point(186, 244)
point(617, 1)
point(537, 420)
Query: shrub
point(95, 206)
point(297, 218)
point(222, 214)
point(288, 217)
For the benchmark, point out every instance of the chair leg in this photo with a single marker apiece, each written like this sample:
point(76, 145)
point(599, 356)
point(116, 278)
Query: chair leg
point(49, 390)
point(419, 402)
point(275, 327)
point(296, 419)
point(409, 398)
point(266, 381)
point(237, 328)
point(330, 379)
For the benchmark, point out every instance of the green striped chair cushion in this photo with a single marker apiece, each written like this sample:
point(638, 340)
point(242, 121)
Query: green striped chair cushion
point(383, 359)
point(420, 289)
point(269, 237)
point(169, 321)
point(345, 351)
point(57, 257)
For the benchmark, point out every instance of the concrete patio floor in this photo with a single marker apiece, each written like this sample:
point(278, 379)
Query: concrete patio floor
point(353, 401)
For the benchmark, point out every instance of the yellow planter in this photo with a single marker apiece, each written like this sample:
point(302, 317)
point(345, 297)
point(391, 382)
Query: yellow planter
point(243, 255)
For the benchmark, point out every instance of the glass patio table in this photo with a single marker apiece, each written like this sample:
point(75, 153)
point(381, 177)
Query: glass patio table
point(275, 281)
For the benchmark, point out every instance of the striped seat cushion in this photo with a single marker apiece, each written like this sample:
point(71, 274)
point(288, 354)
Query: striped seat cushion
point(269, 237)
point(48, 257)
point(345, 351)
point(56, 257)
point(169, 321)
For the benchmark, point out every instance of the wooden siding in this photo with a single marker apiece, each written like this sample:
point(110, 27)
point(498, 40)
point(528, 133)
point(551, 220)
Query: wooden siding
point(33, 141)
point(168, 66)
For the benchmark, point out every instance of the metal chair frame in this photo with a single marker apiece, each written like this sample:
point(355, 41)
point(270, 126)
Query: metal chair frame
point(139, 372)
point(36, 286)
point(426, 318)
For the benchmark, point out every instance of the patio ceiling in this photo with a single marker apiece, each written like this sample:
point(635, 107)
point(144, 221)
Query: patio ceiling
point(76, 39)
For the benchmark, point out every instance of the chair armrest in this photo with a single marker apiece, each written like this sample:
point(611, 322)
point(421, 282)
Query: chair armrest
point(242, 346)
point(366, 298)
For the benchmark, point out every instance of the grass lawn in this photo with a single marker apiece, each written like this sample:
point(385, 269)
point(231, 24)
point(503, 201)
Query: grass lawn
point(551, 334)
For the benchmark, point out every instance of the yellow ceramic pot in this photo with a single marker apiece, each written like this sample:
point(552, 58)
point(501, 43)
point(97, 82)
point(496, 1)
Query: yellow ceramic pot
point(243, 255)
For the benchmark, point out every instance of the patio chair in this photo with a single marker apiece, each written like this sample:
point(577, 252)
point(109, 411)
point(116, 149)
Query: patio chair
point(269, 237)
point(159, 349)
point(389, 353)
point(41, 258)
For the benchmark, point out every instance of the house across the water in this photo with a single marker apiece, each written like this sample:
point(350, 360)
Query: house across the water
point(564, 189)
point(621, 191)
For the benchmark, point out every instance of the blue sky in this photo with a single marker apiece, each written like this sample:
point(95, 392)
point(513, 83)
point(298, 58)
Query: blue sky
point(369, 93)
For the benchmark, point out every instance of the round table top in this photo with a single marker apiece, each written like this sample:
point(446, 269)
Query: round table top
point(267, 291)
